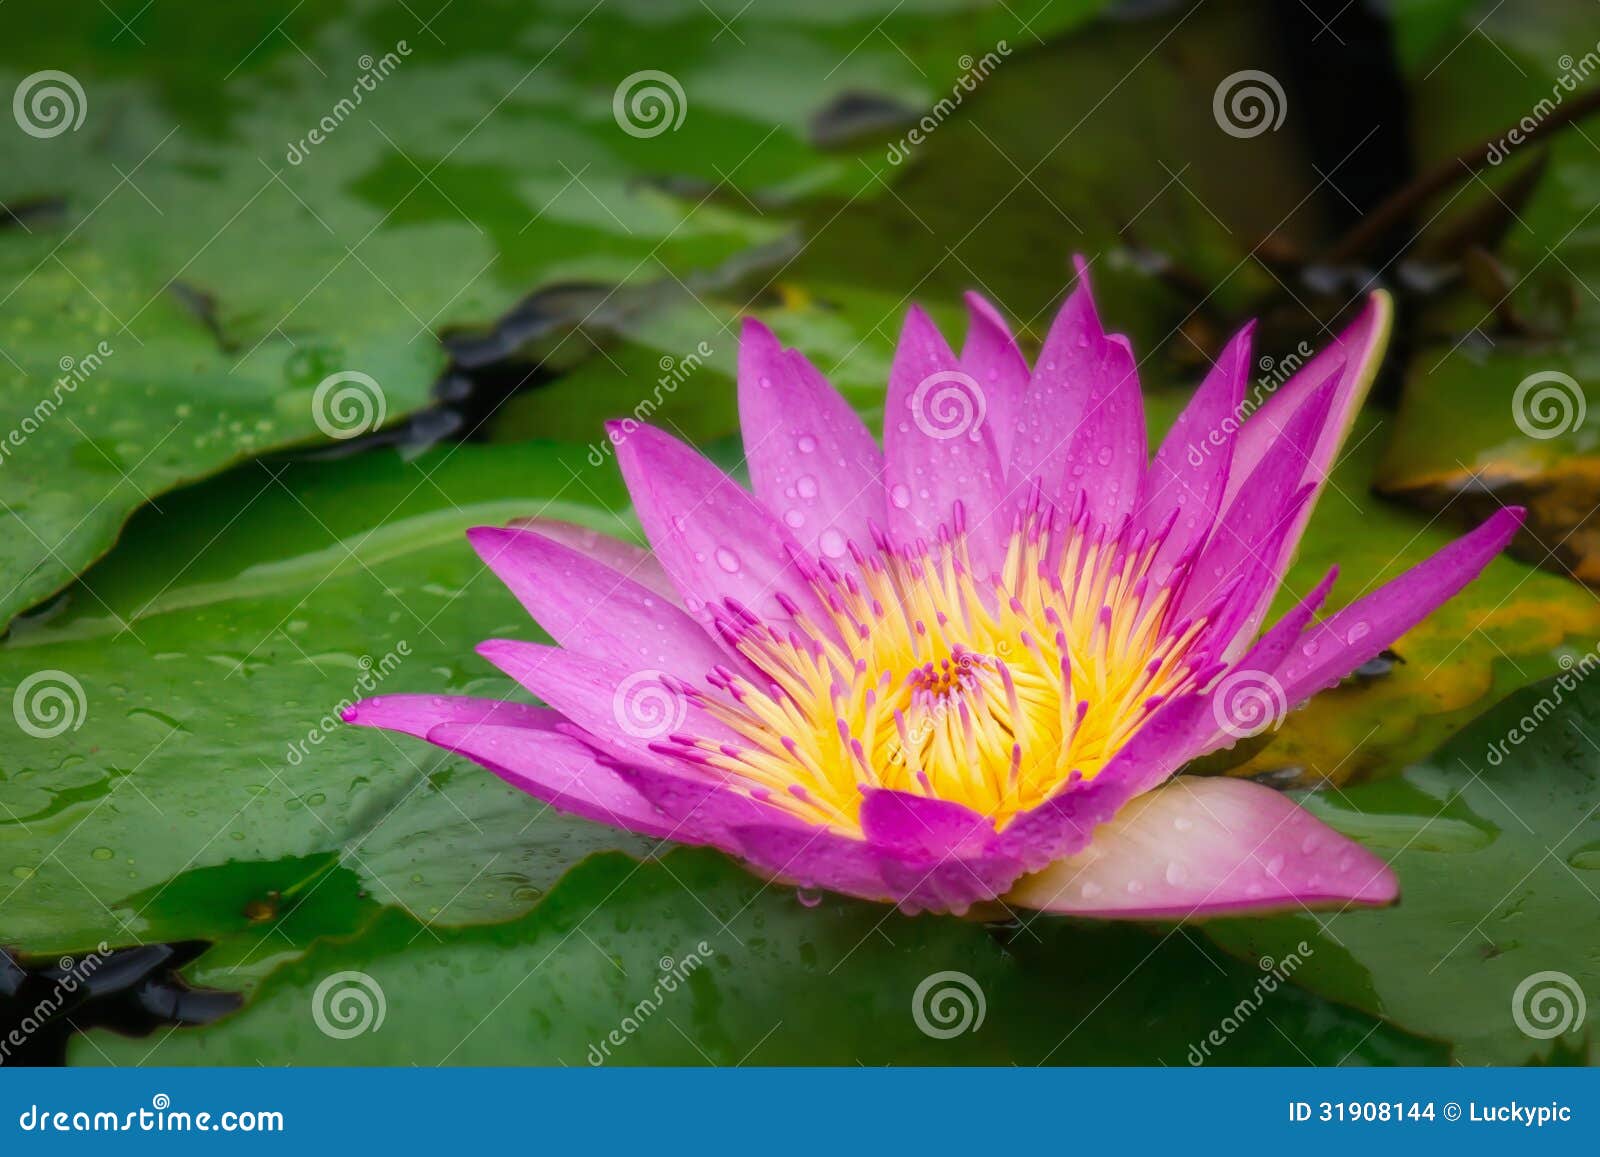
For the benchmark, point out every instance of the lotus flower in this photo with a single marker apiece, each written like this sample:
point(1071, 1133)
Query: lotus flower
point(964, 668)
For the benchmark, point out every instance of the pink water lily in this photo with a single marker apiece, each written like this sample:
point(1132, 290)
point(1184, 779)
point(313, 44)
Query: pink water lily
point(966, 667)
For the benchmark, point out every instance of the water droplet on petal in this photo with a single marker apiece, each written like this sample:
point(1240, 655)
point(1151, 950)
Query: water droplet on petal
point(807, 444)
point(900, 495)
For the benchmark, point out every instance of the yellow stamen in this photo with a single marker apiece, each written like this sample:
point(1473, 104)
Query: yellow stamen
point(922, 678)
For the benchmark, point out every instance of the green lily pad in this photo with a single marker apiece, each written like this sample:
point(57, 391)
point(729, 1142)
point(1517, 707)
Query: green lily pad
point(692, 961)
point(1496, 841)
point(253, 201)
point(199, 672)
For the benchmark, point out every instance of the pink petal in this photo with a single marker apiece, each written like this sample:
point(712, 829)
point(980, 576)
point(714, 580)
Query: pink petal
point(938, 446)
point(1251, 536)
point(626, 710)
point(813, 857)
point(1209, 846)
point(1341, 643)
point(991, 356)
point(935, 855)
point(1353, 362)
point(1249, 697)
point(591, 608)
point(1190, 471)
point(700, 808)
point(714, 540)
point(556, 769)
point(1353, 358)
point(418, 714)
point(1084, 426)
point(625, 558)
point(813, 463)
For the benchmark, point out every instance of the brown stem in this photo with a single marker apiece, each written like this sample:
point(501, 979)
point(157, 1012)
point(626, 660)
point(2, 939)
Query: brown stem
point(1400, 204)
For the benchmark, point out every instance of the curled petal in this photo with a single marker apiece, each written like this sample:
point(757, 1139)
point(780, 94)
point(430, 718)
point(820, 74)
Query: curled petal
point(1209, 847)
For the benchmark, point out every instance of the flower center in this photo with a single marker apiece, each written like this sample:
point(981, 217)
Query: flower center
point(919, 676)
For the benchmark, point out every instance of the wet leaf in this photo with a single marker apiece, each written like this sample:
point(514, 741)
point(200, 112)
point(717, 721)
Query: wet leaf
point(256, 200)
point(1496, 843)
point(199, 783)
point(692, 961)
